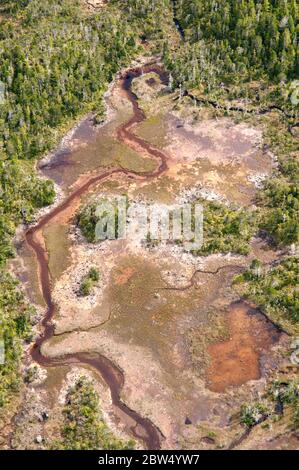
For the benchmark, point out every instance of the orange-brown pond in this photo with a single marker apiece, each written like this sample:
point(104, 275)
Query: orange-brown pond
point(238, 360)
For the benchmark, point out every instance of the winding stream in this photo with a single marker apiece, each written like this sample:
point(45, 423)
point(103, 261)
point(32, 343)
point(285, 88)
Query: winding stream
point(143, 429)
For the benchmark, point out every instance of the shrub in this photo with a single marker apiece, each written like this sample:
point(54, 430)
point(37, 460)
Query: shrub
point(86, 287)
point(94, 274)
point(89, 281)
point(251, 415)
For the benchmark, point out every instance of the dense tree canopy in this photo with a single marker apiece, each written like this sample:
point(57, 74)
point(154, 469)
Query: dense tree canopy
point(249, 38)
point(53, 64)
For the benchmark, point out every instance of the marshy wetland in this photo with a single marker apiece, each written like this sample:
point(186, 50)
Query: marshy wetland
point(164, 333)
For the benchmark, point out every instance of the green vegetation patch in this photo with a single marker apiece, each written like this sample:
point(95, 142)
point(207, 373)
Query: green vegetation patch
point(84, 427)
point(152, 17)
point(227, 229)
point(280, 195)
point(281, 398)
point(20, 193)
point(286, 392)
point(57, 51)
point(94, 213)
point(275, 290)
point(237, 41)
point(15, 327)
point(89, 281)
point(253, 414)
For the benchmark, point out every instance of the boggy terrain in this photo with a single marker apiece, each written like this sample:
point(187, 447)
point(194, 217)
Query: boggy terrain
point(163, 330)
